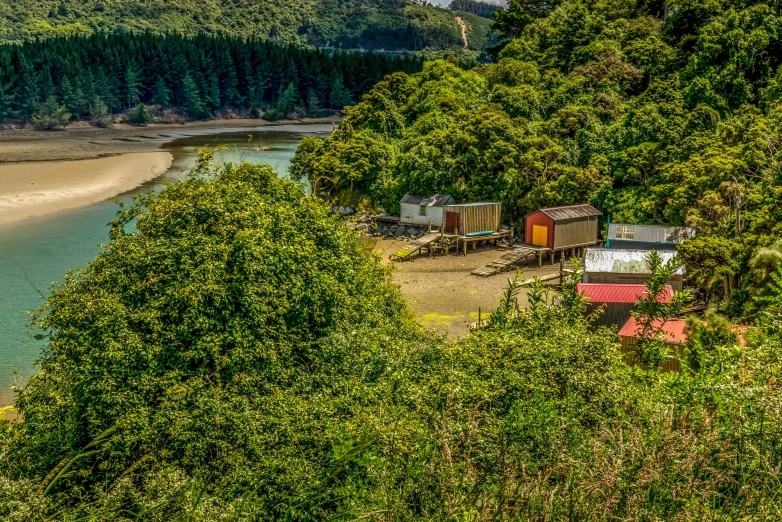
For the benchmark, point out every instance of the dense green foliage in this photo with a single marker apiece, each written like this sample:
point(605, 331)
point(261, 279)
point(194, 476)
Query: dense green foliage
point(346, 24)
point(672, 122)
point(202, 74)
point(473, 6)
point(240, 356)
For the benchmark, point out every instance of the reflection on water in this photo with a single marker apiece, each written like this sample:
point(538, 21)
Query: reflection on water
point(35, 253)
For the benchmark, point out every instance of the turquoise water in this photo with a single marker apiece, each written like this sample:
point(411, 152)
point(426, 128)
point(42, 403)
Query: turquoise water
point(38, 252)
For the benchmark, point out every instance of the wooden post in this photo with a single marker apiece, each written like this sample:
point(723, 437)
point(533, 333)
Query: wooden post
point(479, 317)
point(551, 256)
point(540, 259)
point(464, 241)
point(430, 227)
point(561, 268)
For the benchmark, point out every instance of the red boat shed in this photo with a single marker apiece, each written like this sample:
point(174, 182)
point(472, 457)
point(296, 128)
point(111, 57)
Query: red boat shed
point(561, 228)
point(673, 332)
point(616, 301)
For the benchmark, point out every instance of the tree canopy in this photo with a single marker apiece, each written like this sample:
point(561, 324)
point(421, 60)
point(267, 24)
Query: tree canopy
point(670, 121)
point(396, 25)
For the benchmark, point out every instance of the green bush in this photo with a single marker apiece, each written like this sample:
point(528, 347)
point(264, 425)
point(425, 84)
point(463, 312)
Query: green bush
point(138, 115)
point(51, 115)
point(273, 115)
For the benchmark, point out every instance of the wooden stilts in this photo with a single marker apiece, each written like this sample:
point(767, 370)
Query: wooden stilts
point(540, 259)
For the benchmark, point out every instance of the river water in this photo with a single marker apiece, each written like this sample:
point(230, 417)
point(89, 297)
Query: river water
point(38, 252)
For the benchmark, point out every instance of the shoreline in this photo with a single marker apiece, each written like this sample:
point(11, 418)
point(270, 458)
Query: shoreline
point(44, 172)
point(32, 190)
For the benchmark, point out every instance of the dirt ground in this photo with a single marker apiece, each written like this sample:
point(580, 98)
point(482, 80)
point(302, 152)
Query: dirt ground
point(442, 292)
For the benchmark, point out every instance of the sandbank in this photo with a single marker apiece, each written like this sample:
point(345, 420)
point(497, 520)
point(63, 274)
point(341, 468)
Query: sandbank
point(29, 190)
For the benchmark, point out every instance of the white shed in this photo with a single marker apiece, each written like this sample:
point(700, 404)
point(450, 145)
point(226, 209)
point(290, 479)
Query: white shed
point(422, 210)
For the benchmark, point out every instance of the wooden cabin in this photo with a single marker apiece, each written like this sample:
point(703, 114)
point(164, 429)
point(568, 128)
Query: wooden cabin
point(617, 302)
point(560, 228)
point(674, 332)
point(472, 218)
point(646, 237)
point(603, 265)
point(423, 210)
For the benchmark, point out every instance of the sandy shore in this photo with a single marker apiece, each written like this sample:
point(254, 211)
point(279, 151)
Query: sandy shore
point(43, 173)
point(36, 189)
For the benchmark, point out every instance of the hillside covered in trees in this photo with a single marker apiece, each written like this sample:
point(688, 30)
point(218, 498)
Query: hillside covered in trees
point(672, 121)
point(347, 24)
point(239, 355)
point(53, 80)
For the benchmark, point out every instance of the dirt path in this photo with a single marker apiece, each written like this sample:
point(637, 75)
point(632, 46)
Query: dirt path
point(444, 295)
point(464, 30)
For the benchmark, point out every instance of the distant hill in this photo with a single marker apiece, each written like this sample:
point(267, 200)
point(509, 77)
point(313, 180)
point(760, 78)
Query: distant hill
point(393, 25)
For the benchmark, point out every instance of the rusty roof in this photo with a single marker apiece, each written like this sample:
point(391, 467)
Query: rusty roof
point(618, 293)
point(570, 212)
point(674, 331)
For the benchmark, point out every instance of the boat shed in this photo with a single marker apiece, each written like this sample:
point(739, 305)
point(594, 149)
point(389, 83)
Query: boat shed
point(673, 332)
point(603, 265)
point(472, 218)
point(616, 301)
point(646, 237)
point(422, 210)
point(559, 228)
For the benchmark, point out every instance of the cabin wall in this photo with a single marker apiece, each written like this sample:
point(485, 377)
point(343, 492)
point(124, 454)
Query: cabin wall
point(540, 219)
point(478, 218)
point(627, 279)
point(620, 244)
point(672, 363)
point(613, 314)
point(410, 214)
point(575, 232)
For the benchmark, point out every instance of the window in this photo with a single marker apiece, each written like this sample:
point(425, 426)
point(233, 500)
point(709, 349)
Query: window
point(626, 232)
point(422, 212)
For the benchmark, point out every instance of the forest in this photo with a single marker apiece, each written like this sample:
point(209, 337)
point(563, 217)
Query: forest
point(394, 25)
point(671, 121)
point(54, 80)
point(236, 353)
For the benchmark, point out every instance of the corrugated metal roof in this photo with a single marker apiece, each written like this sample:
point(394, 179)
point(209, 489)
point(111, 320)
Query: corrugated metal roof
point(616, 293)
point(604, 260)
point(570, 212)
point(478, 204)
point(649, 233)
point(673, 330)
point(436, 200)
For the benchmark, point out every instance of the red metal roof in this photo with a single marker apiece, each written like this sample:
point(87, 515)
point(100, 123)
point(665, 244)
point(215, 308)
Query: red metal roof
point(674, 330)
point(617, 293)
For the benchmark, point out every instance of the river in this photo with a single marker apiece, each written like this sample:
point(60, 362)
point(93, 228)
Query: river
point(35, 253)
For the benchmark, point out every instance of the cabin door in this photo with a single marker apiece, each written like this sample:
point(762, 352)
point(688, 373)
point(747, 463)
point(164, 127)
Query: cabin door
point(452, 222)
point(539, 235)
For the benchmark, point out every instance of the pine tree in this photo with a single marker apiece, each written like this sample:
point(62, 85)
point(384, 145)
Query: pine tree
point(99, 113)
point(313, 103)
point(192, 96)
point(337, 91)
point(162, 95)
point(132, 82)
point(287, 99)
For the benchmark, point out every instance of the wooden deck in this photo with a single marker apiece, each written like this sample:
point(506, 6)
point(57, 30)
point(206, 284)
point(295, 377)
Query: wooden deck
point(415, 247)
point(510, 259)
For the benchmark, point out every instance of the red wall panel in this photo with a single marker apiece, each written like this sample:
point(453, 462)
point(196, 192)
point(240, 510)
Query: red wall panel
point(539, 218)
